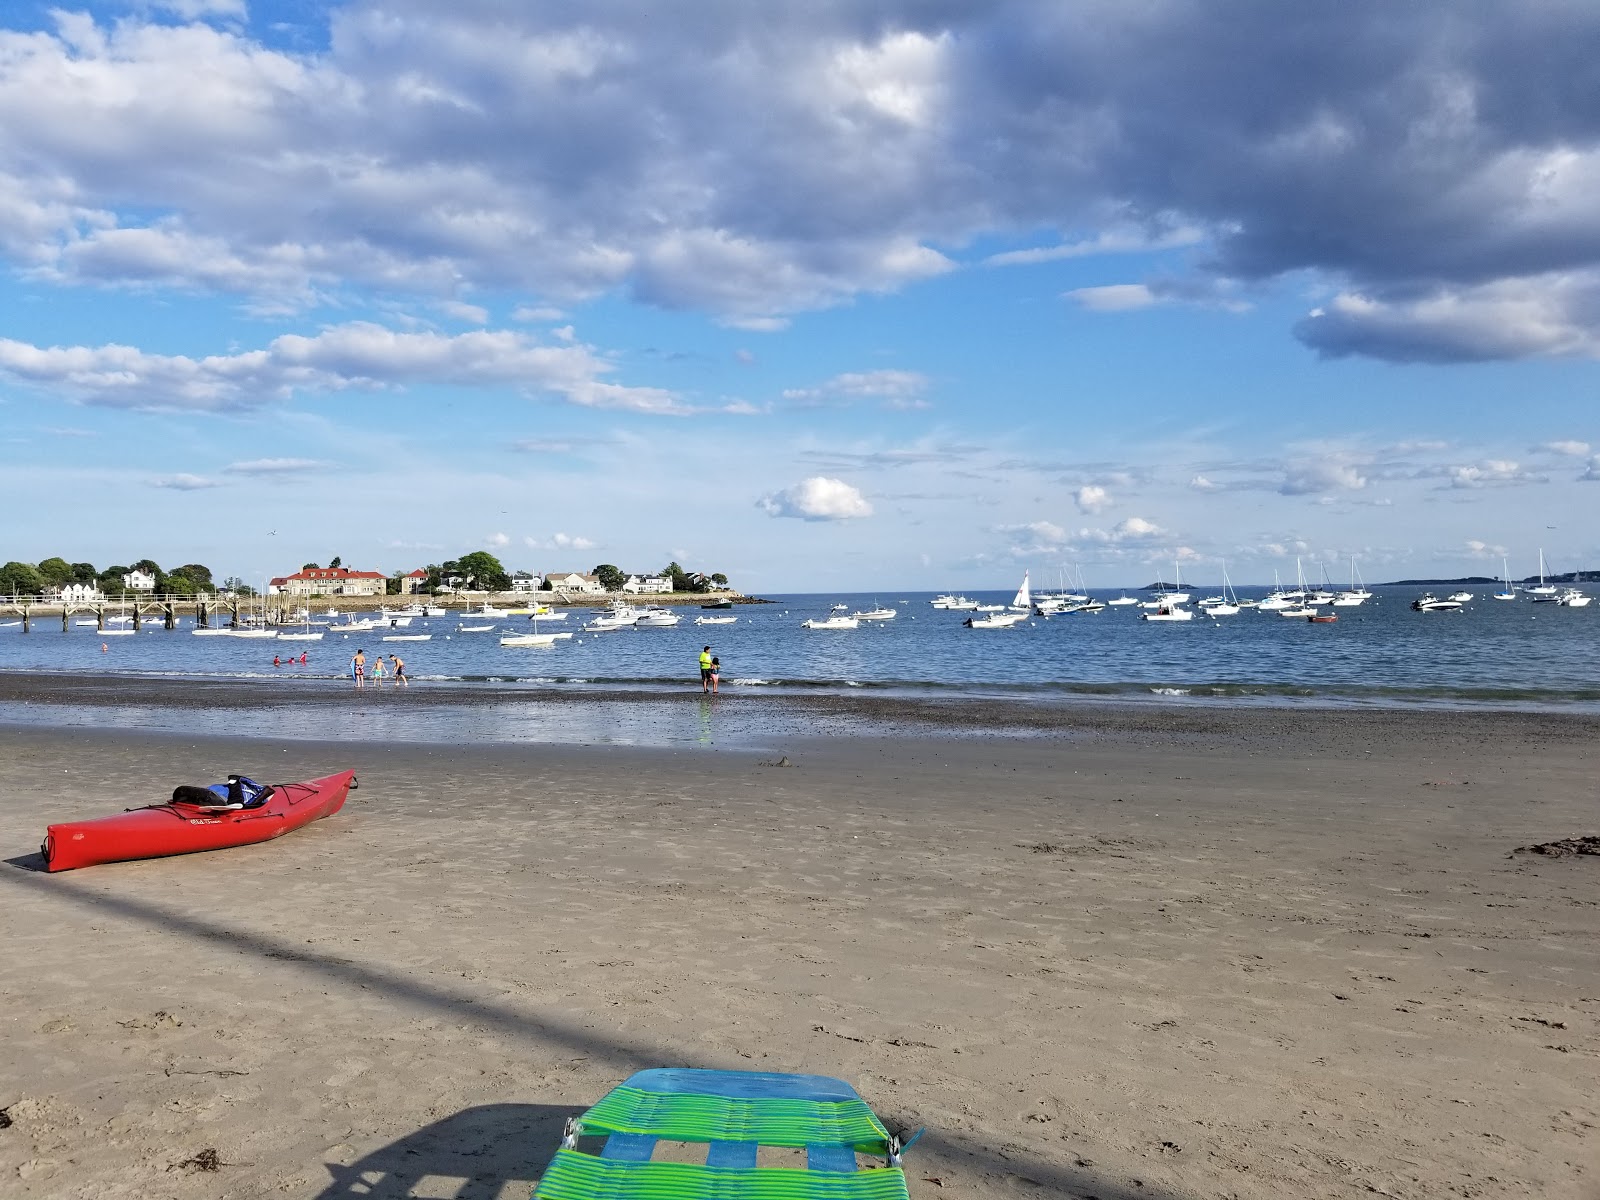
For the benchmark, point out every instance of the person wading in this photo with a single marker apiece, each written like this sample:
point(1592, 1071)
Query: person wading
point(705, 669)
point(358, 668)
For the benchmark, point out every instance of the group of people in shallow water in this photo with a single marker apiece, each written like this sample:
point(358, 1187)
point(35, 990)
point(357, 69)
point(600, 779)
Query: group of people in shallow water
point(291, 661)
point(396, 667)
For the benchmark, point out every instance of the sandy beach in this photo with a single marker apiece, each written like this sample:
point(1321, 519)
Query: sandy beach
point(1228, 954)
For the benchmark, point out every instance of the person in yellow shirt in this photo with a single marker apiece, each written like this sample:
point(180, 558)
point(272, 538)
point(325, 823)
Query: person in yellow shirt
point(705, 669)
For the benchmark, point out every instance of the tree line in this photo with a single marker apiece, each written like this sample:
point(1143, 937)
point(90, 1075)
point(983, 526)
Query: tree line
point(31, 579)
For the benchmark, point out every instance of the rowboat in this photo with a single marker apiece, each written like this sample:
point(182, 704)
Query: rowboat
point(237, 813)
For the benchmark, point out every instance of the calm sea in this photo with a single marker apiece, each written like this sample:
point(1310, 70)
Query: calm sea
point(1517, 654)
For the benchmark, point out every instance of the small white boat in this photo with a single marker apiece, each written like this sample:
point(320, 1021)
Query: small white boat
point(990, 608)
point(954, 603)
point(715, 620)
point(116, 633)
point(435, 610)
point(1001, 620)
point(657, 618)
point(840, 608)
point(1122, 601)
point(1508, 590)
point(300, 637)
point(617, 616)
point(489, 610)
point(1023, 600)
point(474, 628)
point(9, 624)
point(530, 639)
point(1461, 597)
point(211, 631)
point(407, 637)
point(1357, 592)
point(1543, 590)
point(875, 614)
point(1428, 602)
point(1572, 598)
point(1169, 612)
point(831, 623)
point(251, 633)
point(87, 624)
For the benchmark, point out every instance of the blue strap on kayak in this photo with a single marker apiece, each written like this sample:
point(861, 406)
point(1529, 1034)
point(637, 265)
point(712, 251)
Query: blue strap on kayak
point(629, 1147)
point(737, 1155)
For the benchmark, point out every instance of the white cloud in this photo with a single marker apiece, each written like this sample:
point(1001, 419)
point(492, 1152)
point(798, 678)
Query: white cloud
point(1138, 528)
point(818, 498)
point(1114, 297)
point(1092, 498)
point(185, 483)
point(355, 355)
point(498, 540)
point(1494, 472)
point(1486, 550)
point(1201, 484)
point(560, 541)
point(897, 389)
point(1112, 241)
point(190, 10)
point(1309, 478)
point(472, 314)
point(276, 466)
point(1567, 449)
point(1035, 537)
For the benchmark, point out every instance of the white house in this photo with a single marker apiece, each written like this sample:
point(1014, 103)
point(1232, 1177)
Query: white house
point(139, 581)
point(573, 581)
point(80, 593)
point(330, 581)
point(523, 582)
point(654, 584)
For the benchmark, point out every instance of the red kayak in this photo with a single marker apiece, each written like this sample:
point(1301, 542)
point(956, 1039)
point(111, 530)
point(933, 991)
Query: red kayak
point(197, 819)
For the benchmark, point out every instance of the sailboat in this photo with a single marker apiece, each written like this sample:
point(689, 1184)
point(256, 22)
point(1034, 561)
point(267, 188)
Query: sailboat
point(1358, 591)
point(1228, 605)
point(1544, 590)
point(1508, 590)
point(1023, 601)
point(1302, 607)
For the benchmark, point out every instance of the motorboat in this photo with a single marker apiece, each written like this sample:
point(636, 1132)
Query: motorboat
point(831, 623)
point(435, 610)
point(475, 628)
point(406, 637)
point(1122, 601)
point(722, 603)
point(875, 614)
point(1428, 602)
point(988, 608)
point(999, 620)
point(715, 620)
point(251, 633)
point(617, 616)
point(1461, 597)
point(1169, 611)
point(301, 637)
point(656, 618)
point(1323, 618)
point(1572, 598)
point(954, 603)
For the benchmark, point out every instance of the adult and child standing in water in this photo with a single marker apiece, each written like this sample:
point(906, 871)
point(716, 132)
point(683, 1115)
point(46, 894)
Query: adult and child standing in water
point(710, 671)
point(397, 667)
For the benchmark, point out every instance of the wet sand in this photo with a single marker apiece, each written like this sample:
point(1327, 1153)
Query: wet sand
point(1212, 954)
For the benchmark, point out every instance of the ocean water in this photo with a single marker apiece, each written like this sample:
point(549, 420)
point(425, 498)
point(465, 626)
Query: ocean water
point(1514, 654)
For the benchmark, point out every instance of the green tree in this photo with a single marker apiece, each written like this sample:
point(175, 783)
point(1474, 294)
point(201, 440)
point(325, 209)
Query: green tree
point(110, 580)
point(686, 581)
point(55, 572)
point(309, 567)
point(195, 571)
point(610, 577)
point(395, 584)
point(84, 573)
point(149, 566)
point(547, 586)
point(335, 563)
point(482, 571)
point(20, 579)
point(718, 578)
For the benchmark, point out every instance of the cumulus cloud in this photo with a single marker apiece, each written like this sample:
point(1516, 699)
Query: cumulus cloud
point(818, 498)
point(1433, 164)
point(355, 355)
point(1314, 478)
point(560, 541)
point(183, 482)
point(1567, 449)
point(1034, 537)
point(1139, 528)
point(1494, 472)
point(498, 540)
point(1092, 498)
point(1481, 549)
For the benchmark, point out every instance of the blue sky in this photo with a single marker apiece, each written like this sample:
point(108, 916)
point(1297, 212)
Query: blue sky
point(858, 296)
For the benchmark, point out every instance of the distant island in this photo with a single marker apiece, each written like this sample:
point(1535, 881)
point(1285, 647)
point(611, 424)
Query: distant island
point(1567, 577)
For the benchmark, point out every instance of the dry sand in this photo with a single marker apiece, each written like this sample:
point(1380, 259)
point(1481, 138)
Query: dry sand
point(1278, 955)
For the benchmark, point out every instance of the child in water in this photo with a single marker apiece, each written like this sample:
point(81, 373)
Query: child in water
point(716, 674)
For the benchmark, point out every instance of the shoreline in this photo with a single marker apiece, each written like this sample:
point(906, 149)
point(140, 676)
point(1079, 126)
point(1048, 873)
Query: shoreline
point(1297, 957)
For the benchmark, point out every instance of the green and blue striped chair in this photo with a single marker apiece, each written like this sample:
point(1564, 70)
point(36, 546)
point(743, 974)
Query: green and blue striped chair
point(734, 1113)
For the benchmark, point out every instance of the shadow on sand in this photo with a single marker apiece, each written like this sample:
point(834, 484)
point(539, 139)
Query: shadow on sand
point(494, 1139)
point(472, 1155)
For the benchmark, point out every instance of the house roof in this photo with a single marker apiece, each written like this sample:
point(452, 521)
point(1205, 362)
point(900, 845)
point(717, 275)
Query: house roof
point(419, 573)
point(334, 573)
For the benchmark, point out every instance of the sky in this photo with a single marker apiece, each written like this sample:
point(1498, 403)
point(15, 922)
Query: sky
point(827, 297)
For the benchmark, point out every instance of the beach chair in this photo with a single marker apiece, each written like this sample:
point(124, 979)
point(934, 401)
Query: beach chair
point(733, 1113)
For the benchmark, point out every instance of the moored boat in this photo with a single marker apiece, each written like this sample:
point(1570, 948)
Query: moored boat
point(237, 813)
